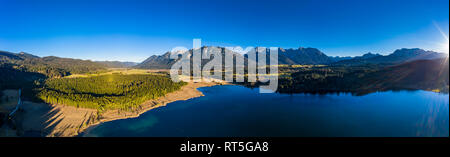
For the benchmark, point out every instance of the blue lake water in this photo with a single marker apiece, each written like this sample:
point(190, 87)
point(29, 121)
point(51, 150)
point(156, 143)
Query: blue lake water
point(238, 111)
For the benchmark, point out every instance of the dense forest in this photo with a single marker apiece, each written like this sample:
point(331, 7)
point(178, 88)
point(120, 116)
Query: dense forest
point(432, 75)
point(325, 79)
point(27, 72)
point(114, 91)
point(42, 79)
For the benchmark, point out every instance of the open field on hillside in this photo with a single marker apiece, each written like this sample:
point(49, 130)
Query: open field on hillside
point(123, 71)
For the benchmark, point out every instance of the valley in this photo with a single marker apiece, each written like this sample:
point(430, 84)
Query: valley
point(64, 97)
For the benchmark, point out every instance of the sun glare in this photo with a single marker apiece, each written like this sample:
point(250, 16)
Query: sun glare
point(444, 47)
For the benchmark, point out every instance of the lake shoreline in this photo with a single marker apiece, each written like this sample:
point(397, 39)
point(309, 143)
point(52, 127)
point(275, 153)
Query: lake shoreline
point(249, 113)
point(58, 120)
point(187, 92)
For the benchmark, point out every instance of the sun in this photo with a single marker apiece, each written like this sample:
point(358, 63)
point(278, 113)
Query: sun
point(444, 47)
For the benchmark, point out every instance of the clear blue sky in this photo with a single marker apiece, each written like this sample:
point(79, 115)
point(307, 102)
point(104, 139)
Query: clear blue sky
point(132, 30)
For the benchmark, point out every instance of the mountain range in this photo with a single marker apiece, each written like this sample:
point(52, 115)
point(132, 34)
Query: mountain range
point(397, 57)
point(313, 56)
point(310, 56)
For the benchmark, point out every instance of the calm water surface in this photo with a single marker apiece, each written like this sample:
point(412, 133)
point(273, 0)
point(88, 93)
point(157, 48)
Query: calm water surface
point(239, 111)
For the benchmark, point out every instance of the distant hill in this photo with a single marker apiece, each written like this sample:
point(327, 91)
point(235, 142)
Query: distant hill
point(50, 66)
point(399, 56)
point(8, 56)
point(338, 58)
point(117, 64)
point(367, 56)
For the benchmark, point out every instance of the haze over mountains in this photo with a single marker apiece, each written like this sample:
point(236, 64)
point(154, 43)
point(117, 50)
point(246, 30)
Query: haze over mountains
point(118, 64)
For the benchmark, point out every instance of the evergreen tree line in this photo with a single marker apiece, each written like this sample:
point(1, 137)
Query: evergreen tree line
point(105, 92)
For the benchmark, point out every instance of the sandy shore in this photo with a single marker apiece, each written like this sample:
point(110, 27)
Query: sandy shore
point(39, 119)
point(188, 91)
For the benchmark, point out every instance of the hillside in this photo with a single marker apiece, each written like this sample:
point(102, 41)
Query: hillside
point(157, 62)
point(50, 66)
point(431, 75)
point(26, 71)
point(419, 74)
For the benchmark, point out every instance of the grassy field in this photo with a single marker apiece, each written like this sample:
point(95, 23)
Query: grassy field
point(122, 71)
